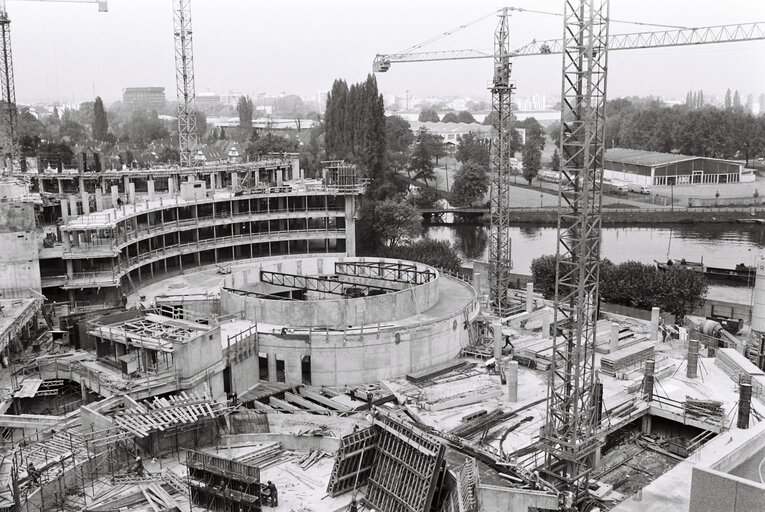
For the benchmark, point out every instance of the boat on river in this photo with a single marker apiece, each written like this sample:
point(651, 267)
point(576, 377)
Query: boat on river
point(741, 274)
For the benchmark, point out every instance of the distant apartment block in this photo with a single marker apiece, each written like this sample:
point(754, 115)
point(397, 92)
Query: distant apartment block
point(150, 98)
point(535, 102)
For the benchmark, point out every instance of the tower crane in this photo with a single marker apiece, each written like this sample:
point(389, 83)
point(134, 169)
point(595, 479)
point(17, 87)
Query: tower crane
point(570, 434)
point(184, 80)
point(7, 82)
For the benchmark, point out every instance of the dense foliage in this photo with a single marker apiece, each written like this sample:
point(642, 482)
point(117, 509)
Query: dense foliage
point(470, 184)
point(634, 284)
point(435, 253)
point(396, 222)
point(471, 147)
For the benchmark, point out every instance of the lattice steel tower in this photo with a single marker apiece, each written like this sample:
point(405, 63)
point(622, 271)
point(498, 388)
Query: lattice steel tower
point(573, 408)
point(10, 114)
point(184, 81)
point(501, 94)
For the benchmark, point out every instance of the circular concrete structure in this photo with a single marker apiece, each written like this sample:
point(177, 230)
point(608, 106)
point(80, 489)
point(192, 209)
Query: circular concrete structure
point(347, 321)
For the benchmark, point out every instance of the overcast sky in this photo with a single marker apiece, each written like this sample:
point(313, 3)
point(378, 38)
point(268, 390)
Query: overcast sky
point(66, 52)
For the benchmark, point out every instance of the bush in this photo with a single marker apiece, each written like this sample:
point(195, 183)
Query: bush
point(435, 253)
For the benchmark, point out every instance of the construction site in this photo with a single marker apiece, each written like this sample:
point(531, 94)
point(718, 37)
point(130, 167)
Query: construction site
point(206, 338)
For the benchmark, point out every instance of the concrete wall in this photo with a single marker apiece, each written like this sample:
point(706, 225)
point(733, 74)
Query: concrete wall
point(19, 260)
point(328, 312)
point(714, 491)
point(508, 499)
point(287, 441)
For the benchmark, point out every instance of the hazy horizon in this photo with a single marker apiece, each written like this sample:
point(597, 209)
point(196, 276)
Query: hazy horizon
point(71, 52)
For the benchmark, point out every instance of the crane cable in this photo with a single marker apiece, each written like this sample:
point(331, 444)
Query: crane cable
point(533, 11)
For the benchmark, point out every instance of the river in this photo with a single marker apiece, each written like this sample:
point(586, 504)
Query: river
point(721, 245)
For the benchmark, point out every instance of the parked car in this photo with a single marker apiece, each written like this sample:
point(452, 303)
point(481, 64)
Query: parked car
point(639, 189)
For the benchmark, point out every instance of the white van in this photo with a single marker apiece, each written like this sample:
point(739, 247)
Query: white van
point(640, 189)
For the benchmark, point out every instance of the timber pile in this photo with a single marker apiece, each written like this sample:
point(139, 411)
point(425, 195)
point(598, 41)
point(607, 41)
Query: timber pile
point(703, 408)
point(482, 423)
point(429, 374)
point(311, 458)
point(735, 364)
point(627, 358)
point(263, 456)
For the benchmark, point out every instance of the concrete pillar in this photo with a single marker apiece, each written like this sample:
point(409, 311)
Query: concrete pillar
point(73, 206)
point(64, 210)
point(85, 203)
point(529, 297)
point(497, 341)
point(654, 324)
point(171, 185)
point(99, 200)
point(296, 171)
point(60, 187)
point(126, 183)
point(546, 321)
point(212, 181)
point(645, 424)
point(131, 193)
point(511, 375)
point(350, 225)
point(271, 367)
point(650, 366)
point(256, 176)
point(150, 185)
point(234, 180)
point(279, 177)
point(613, 338)
point(115, 195)
point(744, 401)
point(693, 359)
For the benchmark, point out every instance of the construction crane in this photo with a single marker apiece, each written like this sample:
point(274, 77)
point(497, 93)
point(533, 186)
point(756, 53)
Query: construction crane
point(574, 396)
point(184, 81)
point(7, 82)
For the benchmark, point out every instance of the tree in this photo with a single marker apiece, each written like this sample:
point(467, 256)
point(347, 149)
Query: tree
point(472, 148)
point(728, 100)
point(465, 117)
point(422, 158)
point(555, 161)
point(396, 221)
point(398, 140)
point(470, 184)
point(450, 117)
point(532, 159)
point(543, 271)
point(245, 109)
point(435, 145)
point(428, 115)
point(535, 134)
point(100, 123)
point(144, 127)
point(682, 291)
point(736, 100)
point(436, 253)
point(168, 155)
point(201, 124)
point(72, 131)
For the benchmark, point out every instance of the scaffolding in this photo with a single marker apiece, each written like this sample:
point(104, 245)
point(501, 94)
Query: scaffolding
point(216, 483)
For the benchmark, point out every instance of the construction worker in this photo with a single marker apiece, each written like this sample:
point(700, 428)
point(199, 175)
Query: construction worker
point(138, 466)
point(33, 474)
point(352, 507)
point(274, 494)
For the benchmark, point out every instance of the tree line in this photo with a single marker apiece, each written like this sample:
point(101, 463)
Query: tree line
point(677, 291)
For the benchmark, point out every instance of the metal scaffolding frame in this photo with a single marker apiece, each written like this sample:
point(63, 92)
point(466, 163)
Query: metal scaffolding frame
point(318, 284)
point(217, 483)
point(7, 83)
point(570, 435)
point(396, 272)
point(184, 81)
point(501, 106)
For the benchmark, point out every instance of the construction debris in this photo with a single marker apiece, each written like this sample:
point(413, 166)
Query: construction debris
point(627, 359)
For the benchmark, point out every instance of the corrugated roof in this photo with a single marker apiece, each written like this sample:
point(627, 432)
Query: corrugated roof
point(652, 158)
point(450, 127)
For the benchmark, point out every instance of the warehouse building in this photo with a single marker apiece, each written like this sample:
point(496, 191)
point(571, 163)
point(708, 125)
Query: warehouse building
point(654, 168)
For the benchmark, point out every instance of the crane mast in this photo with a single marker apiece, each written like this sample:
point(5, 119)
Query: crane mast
point(184, 81)
point(501, 95)
point(7, 83)
point(573, 405)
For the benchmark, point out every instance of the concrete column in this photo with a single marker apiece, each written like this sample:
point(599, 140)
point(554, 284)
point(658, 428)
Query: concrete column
point(73, 206)
point(150, 185)
point(744, 401)
point(350, 225)
point(131, 193)
point(115, 195)
point(511, 375)
point(296, 171)
point(126, 183)
point(171, 185)
point(654, 324)
point(693, 359)
point(256, 175)
point(546, 321)
point(234, 180)
point(613, 338)
point(64, 210)
point(645, 424)
point(279, 177)
point(60, 187)
point(99, 200)
point(529, 297)
point(497, 341)
point(271, 367)
point(85, 203)
point(212, 181)
point(650, 366)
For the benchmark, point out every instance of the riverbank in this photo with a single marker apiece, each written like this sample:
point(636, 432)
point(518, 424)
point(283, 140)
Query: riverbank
point(621, 216)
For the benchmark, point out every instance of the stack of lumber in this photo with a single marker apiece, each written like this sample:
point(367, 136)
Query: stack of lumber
point(263, 456)
point(311, 458)
point(703, 408)
point(627, 358)
point(482, 423)
point(735, 364)
point(429, 374)
point(145, 496)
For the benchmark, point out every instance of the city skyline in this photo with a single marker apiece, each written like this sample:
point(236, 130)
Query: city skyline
point(236, 49)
